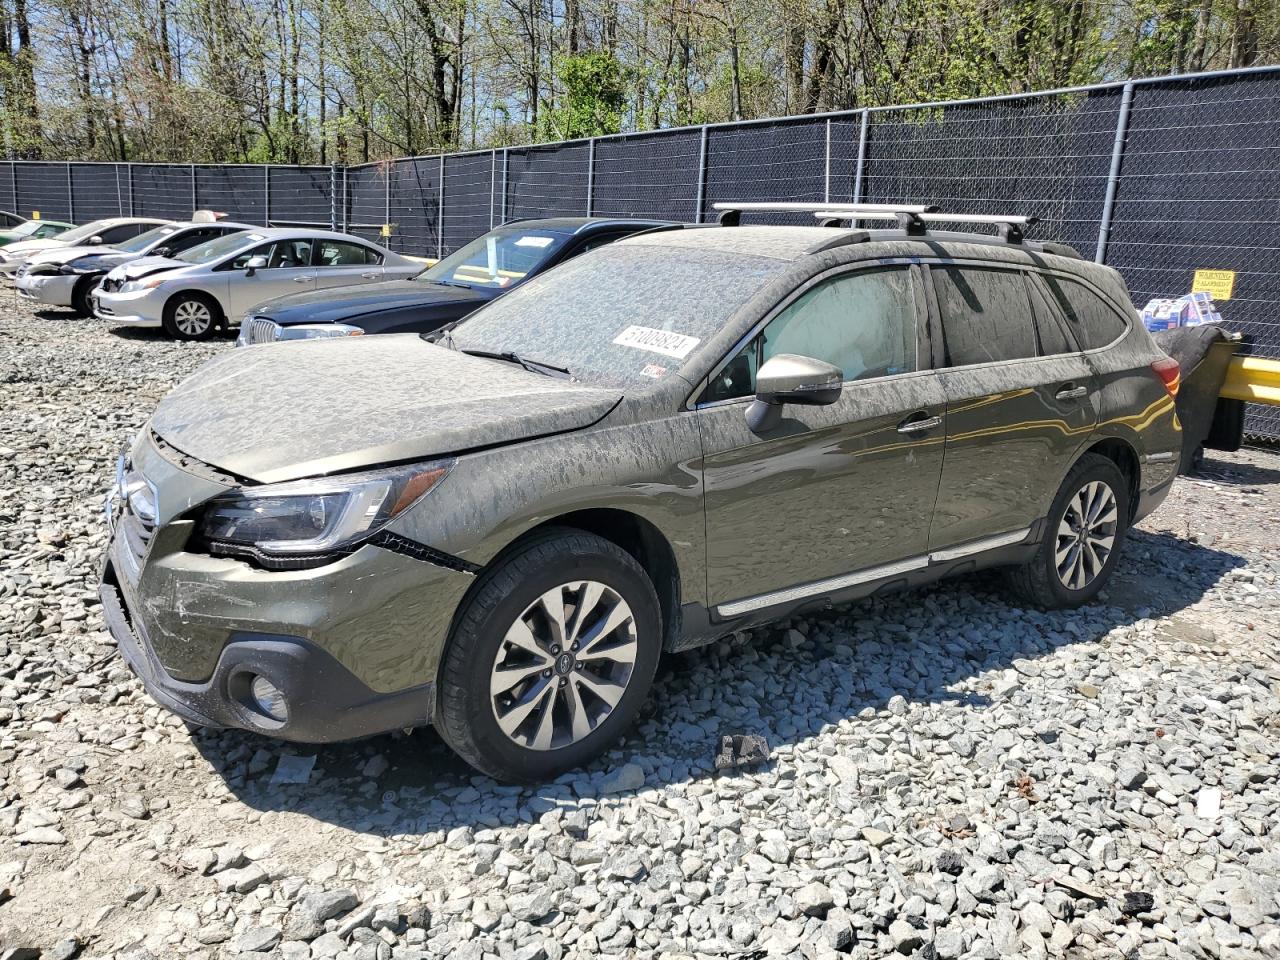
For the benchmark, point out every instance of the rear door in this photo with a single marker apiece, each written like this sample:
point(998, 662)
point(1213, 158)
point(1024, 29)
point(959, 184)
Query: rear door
point(843, 491)
point(1020, 402)
point(341, 263)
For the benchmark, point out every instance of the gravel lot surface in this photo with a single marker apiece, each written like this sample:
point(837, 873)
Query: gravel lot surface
point(951, 775)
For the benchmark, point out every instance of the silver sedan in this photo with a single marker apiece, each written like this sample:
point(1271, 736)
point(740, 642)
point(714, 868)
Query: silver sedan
point(214, 284)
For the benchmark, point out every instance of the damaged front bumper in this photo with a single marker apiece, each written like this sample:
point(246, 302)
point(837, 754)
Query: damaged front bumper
point(352, 646)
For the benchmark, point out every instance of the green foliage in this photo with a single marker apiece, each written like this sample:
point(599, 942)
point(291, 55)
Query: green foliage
point(356, 80)
point(593, 101)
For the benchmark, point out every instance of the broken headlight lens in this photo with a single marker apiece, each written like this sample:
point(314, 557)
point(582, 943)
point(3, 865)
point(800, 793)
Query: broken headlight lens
point(315, 517)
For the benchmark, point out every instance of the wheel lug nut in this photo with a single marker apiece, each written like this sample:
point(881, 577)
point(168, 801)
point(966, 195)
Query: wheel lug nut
point(574, 647)
point(555, 650)
point(563, 682)
point(546, 673)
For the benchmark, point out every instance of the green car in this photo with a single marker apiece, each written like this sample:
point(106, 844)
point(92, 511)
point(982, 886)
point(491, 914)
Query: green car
point(33, 230)
point(665, 440)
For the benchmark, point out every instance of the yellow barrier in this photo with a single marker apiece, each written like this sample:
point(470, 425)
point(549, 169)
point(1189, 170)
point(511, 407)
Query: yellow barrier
point(1255, 379)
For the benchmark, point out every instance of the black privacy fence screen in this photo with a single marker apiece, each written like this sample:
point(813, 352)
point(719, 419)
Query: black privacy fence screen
point(1158, 178)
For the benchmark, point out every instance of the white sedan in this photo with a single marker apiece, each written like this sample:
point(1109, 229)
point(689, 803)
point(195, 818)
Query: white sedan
point(214, 284)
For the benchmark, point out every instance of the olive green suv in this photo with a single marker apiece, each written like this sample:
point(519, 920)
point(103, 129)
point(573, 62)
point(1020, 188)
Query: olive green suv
point(675, 436)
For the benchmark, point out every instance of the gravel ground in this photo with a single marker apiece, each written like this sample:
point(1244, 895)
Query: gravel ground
point(951, 776)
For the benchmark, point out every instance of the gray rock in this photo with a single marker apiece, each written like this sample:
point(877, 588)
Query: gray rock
point(256, 940)
point(814, 899)
point(624, 779)
point(531, 907)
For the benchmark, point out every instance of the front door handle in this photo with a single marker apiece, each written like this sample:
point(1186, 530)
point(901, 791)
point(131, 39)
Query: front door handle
point(303, 279)
point(918, 426)
point(369, 276)
point(1070, 391)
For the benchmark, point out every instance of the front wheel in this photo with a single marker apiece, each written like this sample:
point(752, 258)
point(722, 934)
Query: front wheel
point(190, 316)
point(551, 658)
point(80, 301)
point(1083, 534)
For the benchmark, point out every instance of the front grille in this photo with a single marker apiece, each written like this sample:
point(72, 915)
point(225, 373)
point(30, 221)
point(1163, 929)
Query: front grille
point(262, 330)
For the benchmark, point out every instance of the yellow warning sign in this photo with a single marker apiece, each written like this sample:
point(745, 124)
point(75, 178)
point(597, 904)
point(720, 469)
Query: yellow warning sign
point(35, 214)
point(1216, 283)
point(386, 229)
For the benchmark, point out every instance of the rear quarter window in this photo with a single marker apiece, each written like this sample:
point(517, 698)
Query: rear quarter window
point(1095, 322)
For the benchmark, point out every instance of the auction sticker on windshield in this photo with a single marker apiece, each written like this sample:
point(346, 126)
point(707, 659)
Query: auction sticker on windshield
point(665, 342)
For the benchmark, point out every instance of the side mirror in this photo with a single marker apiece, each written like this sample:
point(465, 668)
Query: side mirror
point(95, 241)
point(253, 265)
point(161, 252)
point(788, 378)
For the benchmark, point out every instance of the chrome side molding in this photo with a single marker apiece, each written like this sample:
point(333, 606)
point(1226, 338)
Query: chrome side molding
point(737, 608)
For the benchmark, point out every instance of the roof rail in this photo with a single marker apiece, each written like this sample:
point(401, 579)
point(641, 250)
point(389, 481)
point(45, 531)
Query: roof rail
point(1010, 228)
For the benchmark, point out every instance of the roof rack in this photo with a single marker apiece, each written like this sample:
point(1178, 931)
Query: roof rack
point(915, 223)
point(914, 219)
point(731, 213)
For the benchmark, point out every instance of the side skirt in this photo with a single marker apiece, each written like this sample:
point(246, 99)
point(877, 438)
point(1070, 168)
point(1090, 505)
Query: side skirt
point(702, 626)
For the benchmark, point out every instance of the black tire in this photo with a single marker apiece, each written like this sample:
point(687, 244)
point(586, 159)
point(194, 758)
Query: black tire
point(465, 710)
point(1039, 581)
point(176, 323)
point(80, 295)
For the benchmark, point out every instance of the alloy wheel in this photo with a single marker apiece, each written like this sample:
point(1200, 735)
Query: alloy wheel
point(1086, 535)
point(192, 317)
point(563, 665)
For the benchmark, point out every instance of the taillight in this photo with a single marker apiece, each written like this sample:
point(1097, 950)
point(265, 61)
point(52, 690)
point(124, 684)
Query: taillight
point(1169, 372)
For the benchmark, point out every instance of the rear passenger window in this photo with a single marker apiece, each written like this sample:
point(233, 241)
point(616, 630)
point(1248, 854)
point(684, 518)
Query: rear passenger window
point(1094, 321)
point(986, 314)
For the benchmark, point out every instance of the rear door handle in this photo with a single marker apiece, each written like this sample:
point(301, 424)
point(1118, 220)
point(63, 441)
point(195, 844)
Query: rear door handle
point(369, 276)
point(1070, 391)
point(918, 426)
point(303, 279)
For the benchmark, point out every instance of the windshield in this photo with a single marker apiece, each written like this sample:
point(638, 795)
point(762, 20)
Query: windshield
point(76, 234)
point(213, 249)
point(144, 240)
point(501, 258)
point(624, 315)
point(28, 228)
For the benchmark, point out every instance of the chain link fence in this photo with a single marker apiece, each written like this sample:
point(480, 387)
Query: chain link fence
point(1157, 178)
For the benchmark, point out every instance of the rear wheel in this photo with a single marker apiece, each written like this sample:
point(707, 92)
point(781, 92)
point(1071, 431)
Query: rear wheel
point(191, 316)
point(551, 659)
point(1083, 535)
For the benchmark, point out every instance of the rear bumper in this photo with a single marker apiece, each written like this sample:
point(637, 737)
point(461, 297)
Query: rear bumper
point(326, 701)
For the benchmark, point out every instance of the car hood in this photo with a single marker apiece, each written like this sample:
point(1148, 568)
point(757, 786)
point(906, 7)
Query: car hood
point(25, 248)
point(291, 410)
point(65, 254)
point(144, 266)
point(335, 304)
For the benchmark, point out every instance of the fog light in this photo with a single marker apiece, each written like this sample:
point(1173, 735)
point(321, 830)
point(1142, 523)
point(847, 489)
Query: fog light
point(268, 699)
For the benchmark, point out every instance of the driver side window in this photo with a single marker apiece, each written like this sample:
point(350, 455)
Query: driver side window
point(864, 323)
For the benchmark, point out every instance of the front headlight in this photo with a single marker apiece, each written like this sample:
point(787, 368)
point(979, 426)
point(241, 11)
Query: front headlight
point(133, 286)
point(318, 331)
point(309, 522)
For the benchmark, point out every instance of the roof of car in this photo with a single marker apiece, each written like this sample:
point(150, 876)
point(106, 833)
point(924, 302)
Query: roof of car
point(579, 224)
point(780, 243)
point(192, 224)
point(276, 233)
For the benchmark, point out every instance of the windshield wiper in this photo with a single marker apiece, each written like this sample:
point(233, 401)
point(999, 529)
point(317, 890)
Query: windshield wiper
point(452, 283)
point(533, 366)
